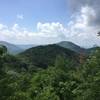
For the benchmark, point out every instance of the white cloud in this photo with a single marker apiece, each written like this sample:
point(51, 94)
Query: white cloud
point(20, 16)
point(46, 33)
point(52, 29)
point(78, 30)
point(2, 26)
point(84, 33)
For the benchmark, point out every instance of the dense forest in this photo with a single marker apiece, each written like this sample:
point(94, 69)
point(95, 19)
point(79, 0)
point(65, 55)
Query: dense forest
point(54, 73)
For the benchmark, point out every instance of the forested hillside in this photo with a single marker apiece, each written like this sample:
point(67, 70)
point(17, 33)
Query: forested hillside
point(64, 80)
point(43, 56)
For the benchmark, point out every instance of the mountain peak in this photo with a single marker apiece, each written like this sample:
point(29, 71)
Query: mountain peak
point(71, 46)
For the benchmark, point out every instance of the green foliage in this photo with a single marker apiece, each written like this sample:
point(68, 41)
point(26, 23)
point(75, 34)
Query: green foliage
point(44, 56)
point(3, 50)
point(62, 81)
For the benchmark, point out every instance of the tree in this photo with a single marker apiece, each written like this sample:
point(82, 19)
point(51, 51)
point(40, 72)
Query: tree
point(3, 50)
point(60, 62)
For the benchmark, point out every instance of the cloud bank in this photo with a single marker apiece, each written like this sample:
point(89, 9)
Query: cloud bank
point(46, 33)
point(93, 6)
point(86, 21)
point(82, 29)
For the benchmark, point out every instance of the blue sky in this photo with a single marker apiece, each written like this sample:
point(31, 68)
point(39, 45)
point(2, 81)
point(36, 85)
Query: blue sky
point(50, 21)
point(33, 11)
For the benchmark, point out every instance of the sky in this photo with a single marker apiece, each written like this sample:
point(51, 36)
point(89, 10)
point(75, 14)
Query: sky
point(50, 21)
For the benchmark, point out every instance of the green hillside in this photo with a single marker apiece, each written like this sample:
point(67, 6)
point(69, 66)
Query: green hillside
point(43, 56)
point(61, 81)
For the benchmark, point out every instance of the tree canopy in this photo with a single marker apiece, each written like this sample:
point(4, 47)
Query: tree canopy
point(62, 81)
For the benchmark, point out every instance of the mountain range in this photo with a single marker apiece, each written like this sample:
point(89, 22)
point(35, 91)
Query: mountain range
point(12, 49)
point(16, 49)
point(45, 55)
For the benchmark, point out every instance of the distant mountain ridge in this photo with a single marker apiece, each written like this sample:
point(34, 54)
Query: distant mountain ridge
point(15, 49)
point(26, 46)
point(12, 49)
point(71, 46)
